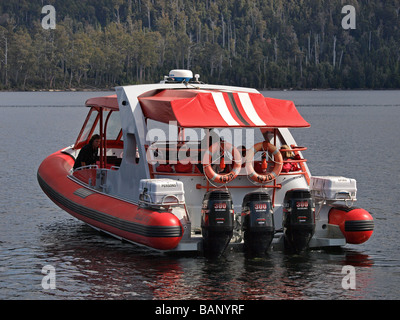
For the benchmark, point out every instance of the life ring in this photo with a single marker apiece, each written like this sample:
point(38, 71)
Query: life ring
point(278, 159)
point(207, 163)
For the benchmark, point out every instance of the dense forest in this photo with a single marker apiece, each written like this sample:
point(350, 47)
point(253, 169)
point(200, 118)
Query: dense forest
point(297, 44)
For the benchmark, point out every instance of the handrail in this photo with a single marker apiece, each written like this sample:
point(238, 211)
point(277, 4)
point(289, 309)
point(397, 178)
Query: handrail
point(278, 186)
point(292, 173)
point(295, 149)
point(156, 173)
point(178, 174)
point(274, 186)
point(167, 148)
point(91, 166)
point(194, 162)
point(85, 174)
point(179, 144)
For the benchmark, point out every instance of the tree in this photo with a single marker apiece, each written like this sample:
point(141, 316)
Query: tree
point(260, 43)
point(4, 44)
point(22, 58)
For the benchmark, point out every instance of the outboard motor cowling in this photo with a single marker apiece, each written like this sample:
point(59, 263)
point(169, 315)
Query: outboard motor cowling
point(298, 219)
point(217, 222)
point(257, 223)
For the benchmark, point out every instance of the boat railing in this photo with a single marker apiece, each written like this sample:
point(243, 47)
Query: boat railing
point(196, 162)
point(92, 166)
point(209, 186)
point(86, 174)
point(167, 201)
point(93, 176)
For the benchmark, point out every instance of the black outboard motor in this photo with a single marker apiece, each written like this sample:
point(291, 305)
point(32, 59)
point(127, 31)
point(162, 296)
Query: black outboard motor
point(257, 223)
point(217, 222)
point(298, 219)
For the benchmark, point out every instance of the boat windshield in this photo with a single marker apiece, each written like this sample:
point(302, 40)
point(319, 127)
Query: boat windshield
point(90, 127)
point(113, 125)
point(106, 123)
point(97, 122)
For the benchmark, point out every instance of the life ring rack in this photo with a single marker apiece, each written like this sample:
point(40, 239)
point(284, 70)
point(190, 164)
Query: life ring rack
point(207, 163)
point(278, 162)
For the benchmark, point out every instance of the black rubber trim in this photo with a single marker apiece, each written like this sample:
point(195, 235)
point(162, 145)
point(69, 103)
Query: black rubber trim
point(124, 225)
point(345, 208)
point(63, 152)
point(236, 109)
point(363, 225)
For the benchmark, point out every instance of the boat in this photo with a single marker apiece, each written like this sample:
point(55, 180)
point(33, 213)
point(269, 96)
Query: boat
point(185, 166)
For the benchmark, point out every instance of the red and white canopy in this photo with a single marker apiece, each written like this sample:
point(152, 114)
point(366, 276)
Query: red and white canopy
point(195, 108)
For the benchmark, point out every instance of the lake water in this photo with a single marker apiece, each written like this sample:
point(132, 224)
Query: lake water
point(353, 134)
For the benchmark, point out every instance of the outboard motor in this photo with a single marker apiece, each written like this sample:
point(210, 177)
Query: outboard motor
point(217, 222)
point(257, 223)
point(298, 219)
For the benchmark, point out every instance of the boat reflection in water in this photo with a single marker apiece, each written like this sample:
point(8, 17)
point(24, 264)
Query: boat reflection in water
point(93, 266)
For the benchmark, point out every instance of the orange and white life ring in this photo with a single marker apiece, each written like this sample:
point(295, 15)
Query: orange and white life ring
point(207, 163)
point(278, 159)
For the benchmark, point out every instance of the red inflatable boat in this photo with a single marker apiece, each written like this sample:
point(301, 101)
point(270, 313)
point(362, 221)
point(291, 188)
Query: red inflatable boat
point(186, 166)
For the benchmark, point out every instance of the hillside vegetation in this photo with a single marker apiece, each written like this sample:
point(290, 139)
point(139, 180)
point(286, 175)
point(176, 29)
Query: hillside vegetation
point(258, 43)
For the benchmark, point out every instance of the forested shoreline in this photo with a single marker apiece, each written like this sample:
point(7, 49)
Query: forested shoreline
point(266, 44)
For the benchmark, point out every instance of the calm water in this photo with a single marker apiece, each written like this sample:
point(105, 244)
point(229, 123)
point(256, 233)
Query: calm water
point(354, 134)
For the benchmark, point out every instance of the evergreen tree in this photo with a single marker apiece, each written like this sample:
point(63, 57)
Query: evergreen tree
point(259, 43)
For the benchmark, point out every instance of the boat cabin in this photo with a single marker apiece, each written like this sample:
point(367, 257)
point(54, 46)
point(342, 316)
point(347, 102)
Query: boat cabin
point(164, 131)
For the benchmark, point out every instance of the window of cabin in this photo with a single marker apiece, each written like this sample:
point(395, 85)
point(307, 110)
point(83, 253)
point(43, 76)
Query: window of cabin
point(90, 127)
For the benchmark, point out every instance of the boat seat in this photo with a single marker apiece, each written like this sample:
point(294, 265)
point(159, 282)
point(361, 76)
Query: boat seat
point(184, 168)
point(164, 168)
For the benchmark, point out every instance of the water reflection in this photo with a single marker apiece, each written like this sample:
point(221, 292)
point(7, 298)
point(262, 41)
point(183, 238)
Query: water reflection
point(90, 265)
point(34, 232)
